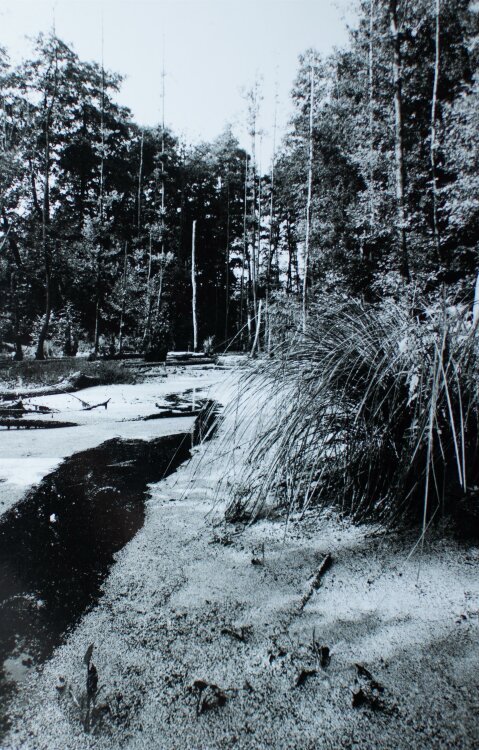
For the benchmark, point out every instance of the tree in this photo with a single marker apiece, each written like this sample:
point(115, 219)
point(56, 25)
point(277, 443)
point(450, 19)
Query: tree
point(310, 192)
point(401, 224)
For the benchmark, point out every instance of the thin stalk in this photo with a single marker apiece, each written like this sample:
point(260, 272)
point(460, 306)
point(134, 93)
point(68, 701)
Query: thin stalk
point(433, 151)
point(193, 286)
point(308, 201)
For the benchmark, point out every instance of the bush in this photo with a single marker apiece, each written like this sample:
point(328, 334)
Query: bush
point(378, 412)
point(51, 371)
point(159, 343)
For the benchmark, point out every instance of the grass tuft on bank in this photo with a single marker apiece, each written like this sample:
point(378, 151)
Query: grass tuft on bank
point(374, 410)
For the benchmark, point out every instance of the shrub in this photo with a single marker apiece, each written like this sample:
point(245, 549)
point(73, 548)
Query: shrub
point(51, 371)
point(376, 412)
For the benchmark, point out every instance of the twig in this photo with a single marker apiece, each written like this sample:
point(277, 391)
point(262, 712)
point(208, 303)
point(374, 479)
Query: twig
point(326, 563)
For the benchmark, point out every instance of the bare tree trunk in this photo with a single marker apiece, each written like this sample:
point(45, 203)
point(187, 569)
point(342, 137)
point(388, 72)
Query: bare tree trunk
point(308, 200)
point(475, 306)
point(295, 261)
point(140, 177)
point(160, 288)
point(148, 305)
point(102, 134)
point(258, 257)
point(162, 208)
point(253, 237)
point(255, 346)
point(435, 223)
point(260, 217)
point(123, 300)
point(399, 144)
point(14, 281)
point(96, 346)
point(245, 244)
point(227, 261)
point(270, 243)
point(39, 354)
point(254, 97)
point(16, 316)
point(96, 349)
point(372, 198)
point(289, 271)
point(193, 286)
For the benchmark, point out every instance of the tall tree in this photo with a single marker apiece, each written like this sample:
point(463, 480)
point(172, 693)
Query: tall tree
point(309, 194)
point(435, 221)
point(401, 226)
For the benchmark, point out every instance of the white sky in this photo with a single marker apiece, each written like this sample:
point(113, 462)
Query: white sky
point(213, 50)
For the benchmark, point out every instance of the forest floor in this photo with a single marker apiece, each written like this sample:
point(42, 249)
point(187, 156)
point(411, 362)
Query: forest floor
point(203, 640)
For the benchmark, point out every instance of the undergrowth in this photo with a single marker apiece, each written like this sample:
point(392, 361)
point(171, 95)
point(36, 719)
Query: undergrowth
point(51, 371)
point(374, 410)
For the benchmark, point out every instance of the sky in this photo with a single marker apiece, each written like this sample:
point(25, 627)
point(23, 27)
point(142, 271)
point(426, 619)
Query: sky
point(213, 51)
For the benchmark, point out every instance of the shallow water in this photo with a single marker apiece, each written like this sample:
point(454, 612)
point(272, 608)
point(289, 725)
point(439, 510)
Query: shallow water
point(57, 545)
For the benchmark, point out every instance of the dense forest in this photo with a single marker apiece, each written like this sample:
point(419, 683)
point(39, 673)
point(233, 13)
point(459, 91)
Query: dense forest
point(106, 226)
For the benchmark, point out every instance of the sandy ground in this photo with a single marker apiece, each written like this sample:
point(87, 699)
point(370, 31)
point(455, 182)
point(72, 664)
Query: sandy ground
point(185, 609)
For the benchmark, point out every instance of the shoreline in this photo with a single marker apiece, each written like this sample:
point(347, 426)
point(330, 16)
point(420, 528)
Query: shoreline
point(26, 457)
point(186, 613)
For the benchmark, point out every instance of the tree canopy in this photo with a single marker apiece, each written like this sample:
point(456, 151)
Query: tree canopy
point(96, 212)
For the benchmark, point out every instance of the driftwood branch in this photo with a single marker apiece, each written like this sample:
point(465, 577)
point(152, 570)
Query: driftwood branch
point(326, 563)
point(33, 424)
point(89, 407)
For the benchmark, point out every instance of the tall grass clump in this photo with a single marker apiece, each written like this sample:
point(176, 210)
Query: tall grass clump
point(374, 410)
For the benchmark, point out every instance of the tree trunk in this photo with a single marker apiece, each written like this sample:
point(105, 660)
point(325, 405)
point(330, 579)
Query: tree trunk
point(371, 190)
point(271, 247)
point(435, 223)
point(258, 256)
point(289, 271)
point(14, 282)
point(96, 344)
point(308, 200)
point(193, 286)
point(40, 352)
point(147, 329)
point(245, 246)
point(227, 262)
point(475, 306)
point(123, 301)
point(16, 316)
point(255, 346)
point(101, 207)
point(48, 109)
point(140, 177)
point(160, 288)
point(253, 239)
point(399, 144)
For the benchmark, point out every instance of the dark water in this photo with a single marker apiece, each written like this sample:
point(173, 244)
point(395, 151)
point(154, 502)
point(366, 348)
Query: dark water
point(57, 545)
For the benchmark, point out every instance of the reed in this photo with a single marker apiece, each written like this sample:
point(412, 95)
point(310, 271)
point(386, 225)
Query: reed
point(374, 409)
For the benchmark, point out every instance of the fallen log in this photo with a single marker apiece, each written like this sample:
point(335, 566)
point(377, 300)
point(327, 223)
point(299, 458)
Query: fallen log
point(18, 410)
point(188, 361)
point(172, 413)
point(34, 424)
